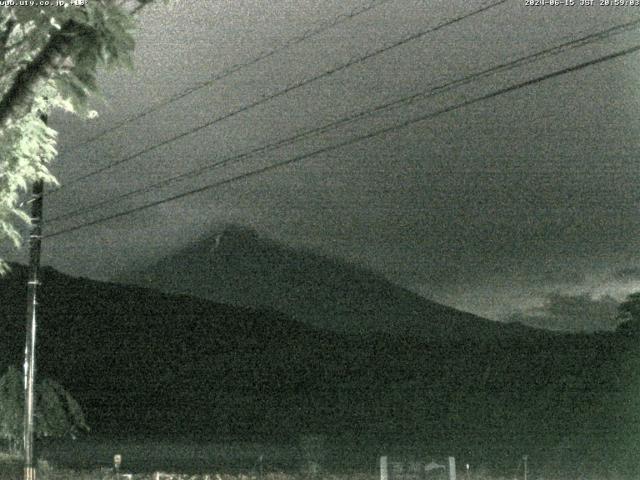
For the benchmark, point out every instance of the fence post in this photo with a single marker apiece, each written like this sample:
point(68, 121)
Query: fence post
point(384, 469)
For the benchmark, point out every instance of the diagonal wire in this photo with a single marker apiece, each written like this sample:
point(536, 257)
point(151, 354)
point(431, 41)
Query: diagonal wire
point(282, 92)
point(235, 68)
point(355, 140)
point(576, 43)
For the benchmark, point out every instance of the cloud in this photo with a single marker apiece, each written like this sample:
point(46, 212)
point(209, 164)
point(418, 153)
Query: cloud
point(571, 313)
point(627, 274)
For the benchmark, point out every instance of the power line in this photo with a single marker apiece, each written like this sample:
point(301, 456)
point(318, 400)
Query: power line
point(355, 140)
point(282, 92)
point(235, 68)
point(582, 41)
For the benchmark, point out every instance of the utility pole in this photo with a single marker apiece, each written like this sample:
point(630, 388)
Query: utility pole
point(35, 238)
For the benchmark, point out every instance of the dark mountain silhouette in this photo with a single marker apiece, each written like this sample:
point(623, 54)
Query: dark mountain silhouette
point(144, 362)
point(237, 266)
point(141, 359)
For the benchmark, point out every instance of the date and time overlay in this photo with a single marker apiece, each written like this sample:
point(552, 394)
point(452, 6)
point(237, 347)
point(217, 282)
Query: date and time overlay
point(581, 3)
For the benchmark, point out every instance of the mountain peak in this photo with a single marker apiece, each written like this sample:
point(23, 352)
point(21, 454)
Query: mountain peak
point(230, 235)
point(236, 265)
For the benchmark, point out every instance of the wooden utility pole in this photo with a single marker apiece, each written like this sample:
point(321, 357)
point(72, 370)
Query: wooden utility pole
point(35, 238)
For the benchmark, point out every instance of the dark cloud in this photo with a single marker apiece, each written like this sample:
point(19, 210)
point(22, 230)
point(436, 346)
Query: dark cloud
point(571, 313)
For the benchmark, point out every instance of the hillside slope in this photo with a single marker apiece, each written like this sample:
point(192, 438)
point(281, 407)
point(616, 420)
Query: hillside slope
point(149, 363)
point(237, 266)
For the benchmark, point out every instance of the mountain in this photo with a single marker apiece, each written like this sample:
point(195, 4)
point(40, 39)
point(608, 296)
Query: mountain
point(239, 267)
point(143, 360)
point(149, 363)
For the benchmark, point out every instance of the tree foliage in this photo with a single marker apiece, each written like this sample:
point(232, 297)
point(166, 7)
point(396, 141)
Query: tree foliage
point(48, 60)
point(57, 413)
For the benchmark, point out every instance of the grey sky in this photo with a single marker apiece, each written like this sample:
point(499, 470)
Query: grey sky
point(490, 208)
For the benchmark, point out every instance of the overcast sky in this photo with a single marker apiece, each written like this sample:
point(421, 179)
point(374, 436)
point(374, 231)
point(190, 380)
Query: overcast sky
point(524, 205)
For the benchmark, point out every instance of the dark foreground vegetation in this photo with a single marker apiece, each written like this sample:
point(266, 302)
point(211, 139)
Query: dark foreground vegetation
point(155, 366)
